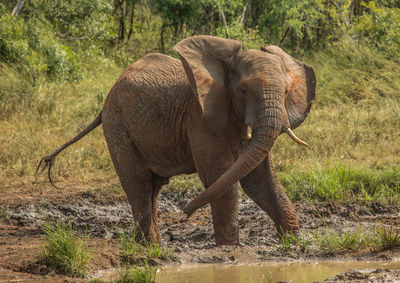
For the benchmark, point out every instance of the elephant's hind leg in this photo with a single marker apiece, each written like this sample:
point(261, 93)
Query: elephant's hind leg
point(157, 183)
point(135, 178)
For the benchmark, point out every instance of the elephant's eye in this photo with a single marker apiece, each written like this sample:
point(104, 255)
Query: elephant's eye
point(242, 91)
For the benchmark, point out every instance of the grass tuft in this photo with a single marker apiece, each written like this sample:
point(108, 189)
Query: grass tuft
point(65, 250)
point(133, 274)
point(387, 238)
point(132, 247)
point(154, 250)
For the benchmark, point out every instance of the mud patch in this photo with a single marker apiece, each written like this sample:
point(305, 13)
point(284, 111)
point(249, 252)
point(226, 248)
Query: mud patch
point(376, 275)
point(99, 221)
point(103, 216)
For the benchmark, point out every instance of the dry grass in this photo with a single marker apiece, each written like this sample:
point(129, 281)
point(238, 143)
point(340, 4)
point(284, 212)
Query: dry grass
point(49, 116)
point(354, 121)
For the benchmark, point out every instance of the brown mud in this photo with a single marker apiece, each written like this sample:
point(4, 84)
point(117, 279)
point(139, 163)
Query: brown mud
point(104, 213)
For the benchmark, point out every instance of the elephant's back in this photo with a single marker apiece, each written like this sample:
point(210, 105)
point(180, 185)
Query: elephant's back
point(156, 70)
point(155, 79)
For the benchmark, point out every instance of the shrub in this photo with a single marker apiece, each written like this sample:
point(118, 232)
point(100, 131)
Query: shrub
point(30, 46)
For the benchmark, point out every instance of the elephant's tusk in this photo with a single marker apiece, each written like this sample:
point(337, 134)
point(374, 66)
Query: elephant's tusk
point(296, 139)
point(249, 131)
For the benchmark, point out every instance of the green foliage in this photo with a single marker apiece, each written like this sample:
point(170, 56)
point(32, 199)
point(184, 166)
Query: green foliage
point(249, 37)
point(381, 27)
point(30, 46)
point(78, 20)
point(175, 13)
point(309, 24)
point(65, 250)
point(47, 35)
point(291, 22)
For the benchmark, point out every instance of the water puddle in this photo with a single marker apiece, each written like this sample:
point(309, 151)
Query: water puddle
point(265, 272)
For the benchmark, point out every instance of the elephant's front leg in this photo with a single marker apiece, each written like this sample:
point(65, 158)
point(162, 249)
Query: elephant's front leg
point(262, 186)
point(224, 214)
point(212, 158)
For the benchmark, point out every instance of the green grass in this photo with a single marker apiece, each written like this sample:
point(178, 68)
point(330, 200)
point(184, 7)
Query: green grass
point(65, 250)
point(354, 240)
point(341, 183)
point(138, 252)
point(185, 184)
point(132, 247)
point(387, 238)
point(377, 239)
point(133, 274)
point(154, 250)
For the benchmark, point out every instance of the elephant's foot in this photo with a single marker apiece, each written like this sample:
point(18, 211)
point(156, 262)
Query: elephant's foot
point(144, 234)
point(153, 237)
point(231, 238)
point(224, 212)
point(288, 225)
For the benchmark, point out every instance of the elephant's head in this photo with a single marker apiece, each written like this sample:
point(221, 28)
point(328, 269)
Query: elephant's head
point(268, 90)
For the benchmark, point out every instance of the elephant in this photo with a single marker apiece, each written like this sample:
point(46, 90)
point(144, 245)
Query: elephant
point(217, 111)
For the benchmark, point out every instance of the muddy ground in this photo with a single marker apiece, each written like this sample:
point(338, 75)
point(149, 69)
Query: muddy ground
point(103, 213)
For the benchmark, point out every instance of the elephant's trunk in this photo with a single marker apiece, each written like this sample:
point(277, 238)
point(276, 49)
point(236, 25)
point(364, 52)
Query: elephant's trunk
point(269, 122)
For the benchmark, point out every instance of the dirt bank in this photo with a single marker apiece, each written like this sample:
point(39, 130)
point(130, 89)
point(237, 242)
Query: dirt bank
point(103, 213)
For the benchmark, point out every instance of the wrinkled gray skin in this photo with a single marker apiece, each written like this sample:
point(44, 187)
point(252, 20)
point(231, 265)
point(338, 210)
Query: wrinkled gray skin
point(165, 117)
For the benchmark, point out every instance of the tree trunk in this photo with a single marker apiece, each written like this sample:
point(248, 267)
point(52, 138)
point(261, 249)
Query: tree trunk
point(18, 7)
point(223, 19)
point(131, 20)
point(162, 38)
point(121, 33)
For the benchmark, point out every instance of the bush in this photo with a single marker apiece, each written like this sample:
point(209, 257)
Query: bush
point(31, 47)
point(381, 27)
point(83, 21)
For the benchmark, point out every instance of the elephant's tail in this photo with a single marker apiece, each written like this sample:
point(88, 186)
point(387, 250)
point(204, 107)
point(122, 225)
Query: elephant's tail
point(48, 160)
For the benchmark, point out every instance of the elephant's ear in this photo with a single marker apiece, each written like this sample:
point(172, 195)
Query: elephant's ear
point(205, 59)
point(301, 84)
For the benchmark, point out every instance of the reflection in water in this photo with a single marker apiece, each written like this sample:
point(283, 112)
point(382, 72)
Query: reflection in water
point(264, 272)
